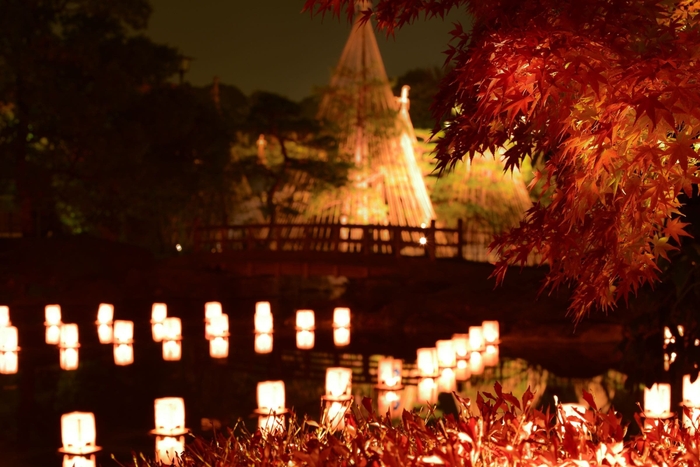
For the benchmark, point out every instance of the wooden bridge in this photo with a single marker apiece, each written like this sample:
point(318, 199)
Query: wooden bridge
point(354, 239)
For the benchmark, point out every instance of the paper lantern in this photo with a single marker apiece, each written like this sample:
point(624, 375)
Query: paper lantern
point(218, 347)
point(476, 338)
point(52, 321)
point(159, 311)
point(305, 340)
point(338, 382)
point(427, 390)
point(263, 343)
point(305, 329)
point(105, 316)
point(341, 337)
point(447, 357)
point(70, 460)
point(341, 327)
point(389, 373)
point(218, 336)
point(5, 316)
point(263, 318)
point(657, 401)
point(78, 433)
point(460, 342)
point(68, 346)
point(169, 449)
point(691, 392)
point(447, 381)
point(427, 362)
point(211, 310)
point(170, 416)
point(490, 331)
point(9, 349)
point(490, 355)
point(476, 363)
point(271, 405)
point(462, 372)
point(123, 342)
point(172, 337)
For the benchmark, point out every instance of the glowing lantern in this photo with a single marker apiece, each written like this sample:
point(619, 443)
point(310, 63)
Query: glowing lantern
point(78, 433)
point(271, 405)
point(460, 342)
point(389, 373)
point(691, 392)
point(491, 331)
point(172, 337)
point(9, 348)
point(446, 355)
point(427, 362)
point(476, 363)
point(123, 342)
point(657, 401)
point(211, 310)
point(105, 316)
point(389, 401)
point(490, 355)
point(68, 346)
point(338, 397)
point(427, 390)
point(305, 329)
point(263, 343)
point(218, 343)
point(447, 381)
point(476, 338)
point(341, 327)
point(79, 461)
point(462, 372)
point(52, 321)
point(5, 316)
point(170, 428)
point(159, 311)
point(263, 318)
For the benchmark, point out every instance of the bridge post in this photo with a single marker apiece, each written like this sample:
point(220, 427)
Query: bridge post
point(460, 238)
point(431, 241)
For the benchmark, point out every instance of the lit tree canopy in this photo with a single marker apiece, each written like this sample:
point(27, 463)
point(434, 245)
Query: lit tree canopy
point(607, 93)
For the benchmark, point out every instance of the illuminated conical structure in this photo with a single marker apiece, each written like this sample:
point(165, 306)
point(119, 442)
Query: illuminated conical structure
point(375, 134)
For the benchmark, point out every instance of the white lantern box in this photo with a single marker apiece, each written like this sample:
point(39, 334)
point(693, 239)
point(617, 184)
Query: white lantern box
point(5, 316)
point(447, 357)
point(169, 416)
point(105, 316)
point(427, 390)
point(657, 401)
point(159, 311)
point(211, 310)
point(169, 449)
point(263, 318)
point(172, 337)
point(218, 347)
point(476, 338)
point(52, 321)
point(460, 342)
point(263, 343)
point(490, 355)
point(389, 373)
point(305, 320)
point(691, 392)
point(426, 362)
point(476, 363)
point(68, 346)
point(338, 397)
point(78, 433)
point(271, 406)
point(491, 332)
point(341, 337)
point(341, 317)
point(9, 349)
point(462, 372)
point(305, 339)
point(123, 342)
point(447, 381)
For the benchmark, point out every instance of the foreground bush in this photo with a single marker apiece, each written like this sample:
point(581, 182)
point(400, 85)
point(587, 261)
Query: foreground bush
point(507, 432)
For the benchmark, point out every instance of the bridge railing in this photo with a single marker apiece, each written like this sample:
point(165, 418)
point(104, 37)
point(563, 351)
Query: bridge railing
point(397, 241)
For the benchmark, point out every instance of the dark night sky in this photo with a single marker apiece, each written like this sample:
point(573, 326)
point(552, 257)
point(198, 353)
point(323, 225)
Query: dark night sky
point(269, 45)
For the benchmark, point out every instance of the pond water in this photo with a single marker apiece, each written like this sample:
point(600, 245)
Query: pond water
point(218, 393)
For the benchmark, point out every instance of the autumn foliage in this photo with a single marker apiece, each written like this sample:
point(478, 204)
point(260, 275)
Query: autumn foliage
point(606, 93)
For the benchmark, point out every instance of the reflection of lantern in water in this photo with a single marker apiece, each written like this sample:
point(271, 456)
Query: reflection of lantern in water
point(52, 321)
point(170, 428)
point(263, 328)
point(426, 362)
point(462, 348)
point(159, 311)
point(490, 355)
point(338, 397)
point(427, 390)
point(476, 363)
point(218, 332)
point(123, 342)
point(447, 381)
point(105, 316)
point(9, 349)
point(271, 406)
point(389, 372)
point(476, 338)
point(5, 316)
point(69, 346)
point(211, 310)
point(172, 337)
point(78, 436)
point(389, 401)
point(657, 401)
point(341, 326)
point(305, 329)
point(491, 332)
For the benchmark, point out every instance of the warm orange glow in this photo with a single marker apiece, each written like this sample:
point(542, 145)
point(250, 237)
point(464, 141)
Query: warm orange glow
point(461, 345)
point(491, 331)
point(218, 347)
point(691, 392)
point(427, 362)
point(305, 320)
point(169, 448)
point(123, 342)
point(211, 311)
point(263, 343)
point(341, 326)
point(170, 416)
point(462, 372)
point(105, 316)
point(69, 345)
point(52, 317)
point(389, 402)
point(159, 311)
point(5, 316)
point(341, 337)
point(78, 433)
point(476, 338)
point(263, 318)
point(490, 355)
point(79, 461)
point(271, 405)
point(657, 401)
point(305, 340)
point(447, 358)
point(427, 390)
point(338, 382)
point(9, 348)
point(389, 372)
point(172, 336)
point(476, 363)
point(447, 381)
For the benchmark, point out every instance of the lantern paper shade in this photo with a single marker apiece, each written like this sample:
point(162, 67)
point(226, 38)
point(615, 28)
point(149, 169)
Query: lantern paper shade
point(476, 338)
point(9, 363)
point(69, 344)
point(169, 448)
point(105, 313)
point(305, 320)
point(657, 400)
point(341, 337)
point(172, 333)
point(263, 343)
point(427, 390)
point(490, 331)
point(447, 358)
point(170, 416)
point(389, 372)
point(211, 311)
point(341, 317)
point(78, 461)
point(218, 347)
point(461, 345)
point(123, 342)
point(462, 372)
point(427, 362)
point(490, 355)
point(305, 339)
point(52, 317)
point(263, 318)
point(338, 382)
point(476, 363)
point(4, 316)
point(9, 347)
point(78, 433)
point(691, 392)
point(123, 354)
point(447, 381)
point(218, 326)
point(69, 335)
point(159, 312)
point(271, 397)
point(105, 333)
